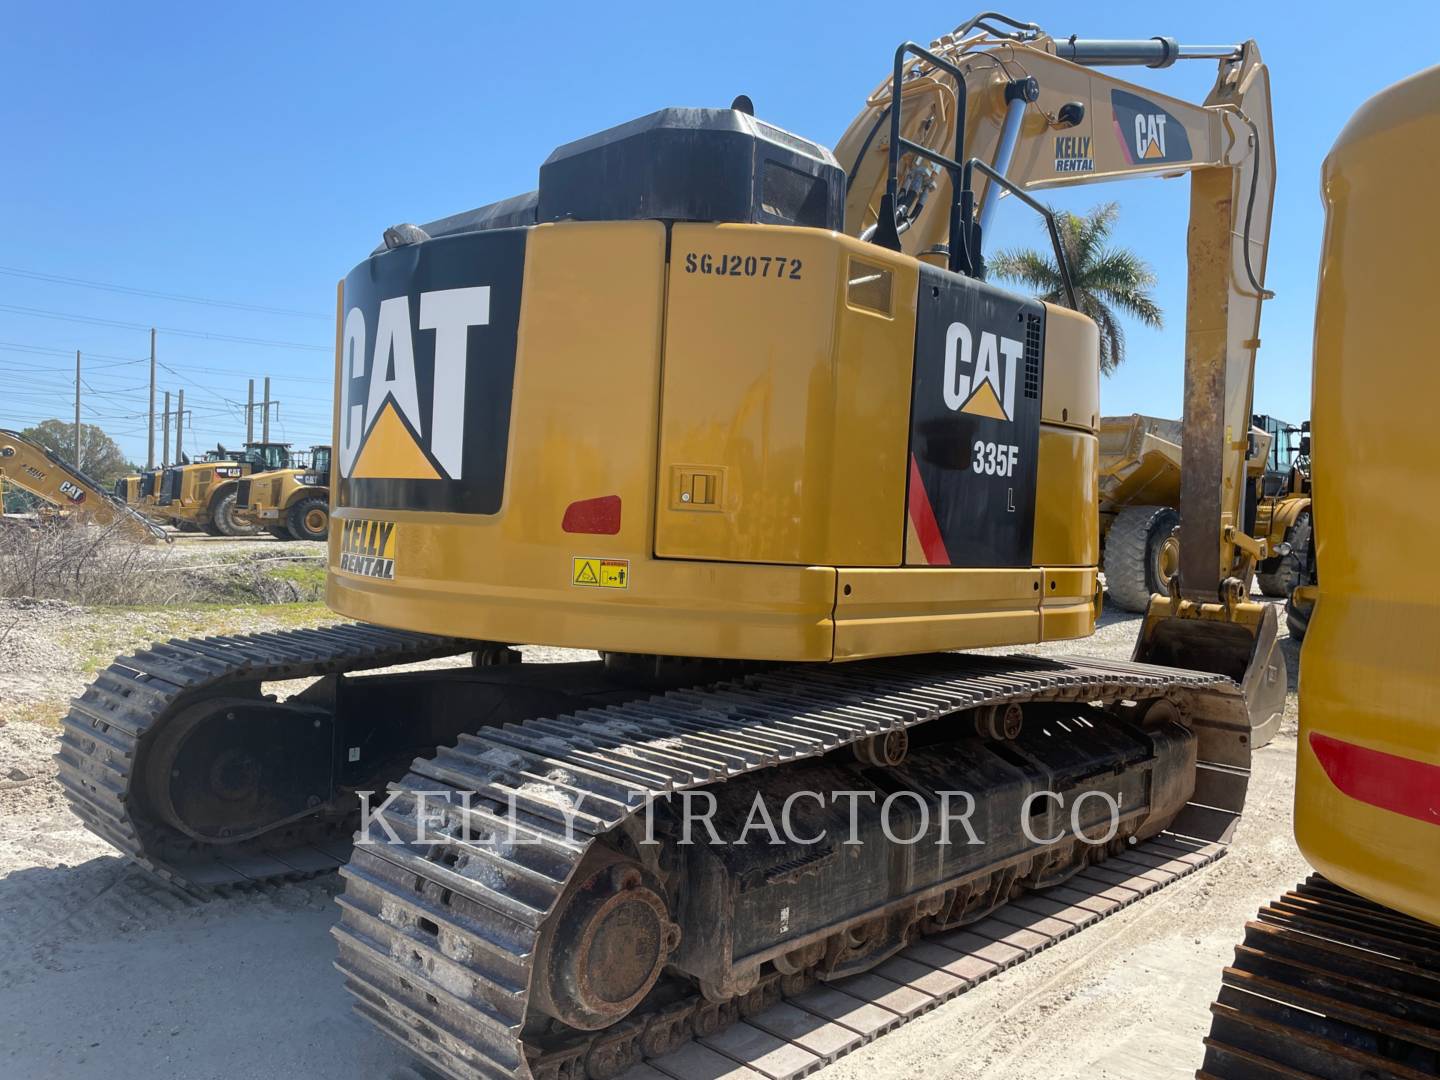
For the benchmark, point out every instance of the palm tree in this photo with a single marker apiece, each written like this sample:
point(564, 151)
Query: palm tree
point(1107, 280)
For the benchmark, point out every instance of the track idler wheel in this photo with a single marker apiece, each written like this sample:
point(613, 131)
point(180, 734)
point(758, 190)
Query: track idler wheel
point(886, 751)
point(999, 721)
point(230, 768)
point(605, 944)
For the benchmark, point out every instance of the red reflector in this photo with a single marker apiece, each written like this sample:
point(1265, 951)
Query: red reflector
point(600, 515)
point(1400, 785)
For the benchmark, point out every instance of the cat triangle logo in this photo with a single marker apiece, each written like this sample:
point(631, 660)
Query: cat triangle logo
point(984, 402)
point(390, 451)
point(980, 372)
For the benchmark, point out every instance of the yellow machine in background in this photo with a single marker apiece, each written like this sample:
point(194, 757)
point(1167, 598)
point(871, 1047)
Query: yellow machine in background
point(127, 489)
point(1341, 977)
point(46, 475)
point(293, 504)
point(1282, 507)
point(747, 411)
point(202, 494)
point(1140, 471)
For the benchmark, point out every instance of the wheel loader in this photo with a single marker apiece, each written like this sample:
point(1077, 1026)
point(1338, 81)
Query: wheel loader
point(1282, 507)
point(1340, 977)
point(1140, 472)
point(201, 495)
point(293, 504)
point(741, 415)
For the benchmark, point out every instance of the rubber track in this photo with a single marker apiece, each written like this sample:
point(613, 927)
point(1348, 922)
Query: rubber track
point(437, 951)
point(1328, 986)
point(107, 727)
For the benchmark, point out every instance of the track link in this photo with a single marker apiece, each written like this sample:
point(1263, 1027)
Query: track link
point(108, 726)
point(437, 941)
point(1328, 986)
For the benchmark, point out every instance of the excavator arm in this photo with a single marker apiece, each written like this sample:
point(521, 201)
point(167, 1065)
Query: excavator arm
point(1011, 101)
point(36, 470)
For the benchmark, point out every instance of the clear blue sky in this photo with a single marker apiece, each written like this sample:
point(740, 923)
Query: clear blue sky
point(253, 153)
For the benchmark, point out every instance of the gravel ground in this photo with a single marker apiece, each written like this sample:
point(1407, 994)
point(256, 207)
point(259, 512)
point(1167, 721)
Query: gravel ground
point(106, 973)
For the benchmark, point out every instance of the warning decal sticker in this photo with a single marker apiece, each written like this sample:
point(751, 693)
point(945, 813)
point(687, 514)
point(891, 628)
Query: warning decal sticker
point(601, 573)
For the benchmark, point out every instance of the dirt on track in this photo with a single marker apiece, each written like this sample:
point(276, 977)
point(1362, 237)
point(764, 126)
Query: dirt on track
point(105, 973)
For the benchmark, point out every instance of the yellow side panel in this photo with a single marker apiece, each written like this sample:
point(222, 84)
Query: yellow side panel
point(1370, 683)
point(786, 406)
point(583, 426)
point(1071, 394)
point(894, 612)
point(1067, 508)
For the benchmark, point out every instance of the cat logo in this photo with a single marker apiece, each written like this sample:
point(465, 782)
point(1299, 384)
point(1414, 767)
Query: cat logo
point(1147, 133)
point(427, 354)
point(381, 414)
point(980, 376)
point(71, 491)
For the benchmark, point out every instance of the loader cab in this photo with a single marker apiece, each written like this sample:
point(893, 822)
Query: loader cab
point(266, 457)
point(1287, 465)
point(318, 472)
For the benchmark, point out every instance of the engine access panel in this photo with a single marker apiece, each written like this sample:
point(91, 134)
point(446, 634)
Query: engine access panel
point(974, 424)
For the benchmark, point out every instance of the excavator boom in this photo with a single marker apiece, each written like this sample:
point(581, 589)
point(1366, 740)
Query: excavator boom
point(47, 476)
point(1021, 105)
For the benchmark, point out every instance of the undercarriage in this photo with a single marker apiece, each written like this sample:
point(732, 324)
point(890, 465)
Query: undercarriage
point(594, 869)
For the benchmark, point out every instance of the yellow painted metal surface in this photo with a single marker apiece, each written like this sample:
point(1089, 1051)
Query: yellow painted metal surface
point(791, 391)
point(781, 405)
point(1371, 659)
point(584, 425)
point(1067, 500)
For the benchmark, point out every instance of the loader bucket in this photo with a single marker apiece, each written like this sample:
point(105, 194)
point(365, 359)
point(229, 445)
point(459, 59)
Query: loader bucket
point(1239, 640)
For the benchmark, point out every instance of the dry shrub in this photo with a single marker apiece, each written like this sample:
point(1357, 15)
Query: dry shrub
point(89, 564)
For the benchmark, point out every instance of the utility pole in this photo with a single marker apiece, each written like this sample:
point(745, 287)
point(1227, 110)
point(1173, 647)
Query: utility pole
point(179, 427)
point(250, 413)
point(150, 457)
point(77, 408)
point(265, 423)
point(165, 436)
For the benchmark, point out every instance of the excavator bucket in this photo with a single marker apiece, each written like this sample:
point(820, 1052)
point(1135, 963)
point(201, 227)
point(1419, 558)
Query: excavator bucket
point(1239, 640)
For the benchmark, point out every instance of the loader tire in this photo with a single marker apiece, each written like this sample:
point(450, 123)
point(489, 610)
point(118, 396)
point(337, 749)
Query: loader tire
point(222, 513)
point(1289, 572)
point(309, 518)
point(1140, 550)
point(1297, 617)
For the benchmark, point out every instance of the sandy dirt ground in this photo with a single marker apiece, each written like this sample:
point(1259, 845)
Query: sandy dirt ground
point(106, 973)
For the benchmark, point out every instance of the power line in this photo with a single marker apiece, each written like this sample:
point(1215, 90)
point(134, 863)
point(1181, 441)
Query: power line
point(203, 335)
point(15, 346)
point(59, 279)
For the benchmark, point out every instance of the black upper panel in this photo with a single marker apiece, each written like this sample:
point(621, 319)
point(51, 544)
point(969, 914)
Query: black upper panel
point(677, 165)
point(975, 420)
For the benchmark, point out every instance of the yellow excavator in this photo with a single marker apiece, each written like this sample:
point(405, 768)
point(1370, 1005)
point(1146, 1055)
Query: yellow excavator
point(743, 416)
point(1340, 977)
point(44, 474)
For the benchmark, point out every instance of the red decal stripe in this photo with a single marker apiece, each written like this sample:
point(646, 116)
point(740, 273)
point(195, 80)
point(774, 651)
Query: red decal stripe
point(1124, 146)
point(923, 518)
point(1398, 784)
point(600, 516)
